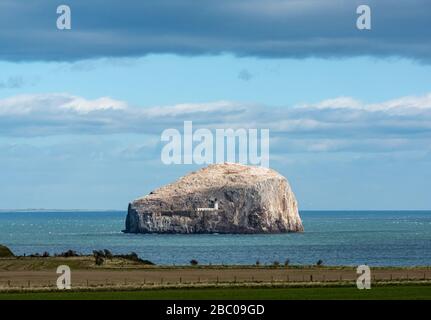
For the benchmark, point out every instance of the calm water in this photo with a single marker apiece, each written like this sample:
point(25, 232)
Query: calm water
point(338, 238)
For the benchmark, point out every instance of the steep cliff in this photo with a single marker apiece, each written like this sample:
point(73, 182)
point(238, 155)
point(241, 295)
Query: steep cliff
point(221, 198)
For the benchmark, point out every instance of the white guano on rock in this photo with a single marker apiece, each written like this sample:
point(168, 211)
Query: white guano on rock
point(221, 198)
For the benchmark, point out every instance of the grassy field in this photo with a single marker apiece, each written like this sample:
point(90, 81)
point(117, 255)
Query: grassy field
point(119, 278)
point(403, 292)
point(81, 263)
point(87, 263)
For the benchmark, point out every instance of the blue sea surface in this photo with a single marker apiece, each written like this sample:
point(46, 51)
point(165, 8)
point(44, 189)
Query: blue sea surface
point(385, 238)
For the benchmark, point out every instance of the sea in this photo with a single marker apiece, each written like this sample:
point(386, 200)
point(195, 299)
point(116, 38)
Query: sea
point(376, 238)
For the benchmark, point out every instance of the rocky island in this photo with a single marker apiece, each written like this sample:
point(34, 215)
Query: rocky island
point(221, 198)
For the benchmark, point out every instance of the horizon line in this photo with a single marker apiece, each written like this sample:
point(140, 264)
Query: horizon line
point(125, 210)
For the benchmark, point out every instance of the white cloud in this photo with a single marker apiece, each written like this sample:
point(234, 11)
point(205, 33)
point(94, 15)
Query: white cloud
point(191, 108)
point(336, 103)
point(398, 106)
point(342, 124)
point(82, 105)
point(56, 103)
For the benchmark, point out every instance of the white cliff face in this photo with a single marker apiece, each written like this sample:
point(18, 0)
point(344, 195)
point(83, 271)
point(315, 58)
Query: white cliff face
point(221, 198)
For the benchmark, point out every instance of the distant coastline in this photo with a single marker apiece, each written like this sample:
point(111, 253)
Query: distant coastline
point(125, 210)
point(61, 210)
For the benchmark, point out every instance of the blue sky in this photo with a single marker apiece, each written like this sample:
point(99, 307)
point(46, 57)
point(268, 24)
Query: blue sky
point(350, 124)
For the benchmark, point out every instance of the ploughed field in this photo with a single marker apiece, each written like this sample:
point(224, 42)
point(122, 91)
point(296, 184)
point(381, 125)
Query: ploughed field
point(37, 273)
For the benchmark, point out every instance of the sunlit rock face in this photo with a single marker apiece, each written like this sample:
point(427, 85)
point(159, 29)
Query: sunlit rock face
point(221, 198)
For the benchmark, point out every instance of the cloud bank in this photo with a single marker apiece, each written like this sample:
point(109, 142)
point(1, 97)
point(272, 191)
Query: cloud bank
point(334, 125)
point(271, 28)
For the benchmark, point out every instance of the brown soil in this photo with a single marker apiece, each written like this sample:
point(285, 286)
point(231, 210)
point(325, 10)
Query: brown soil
point(148, 276)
